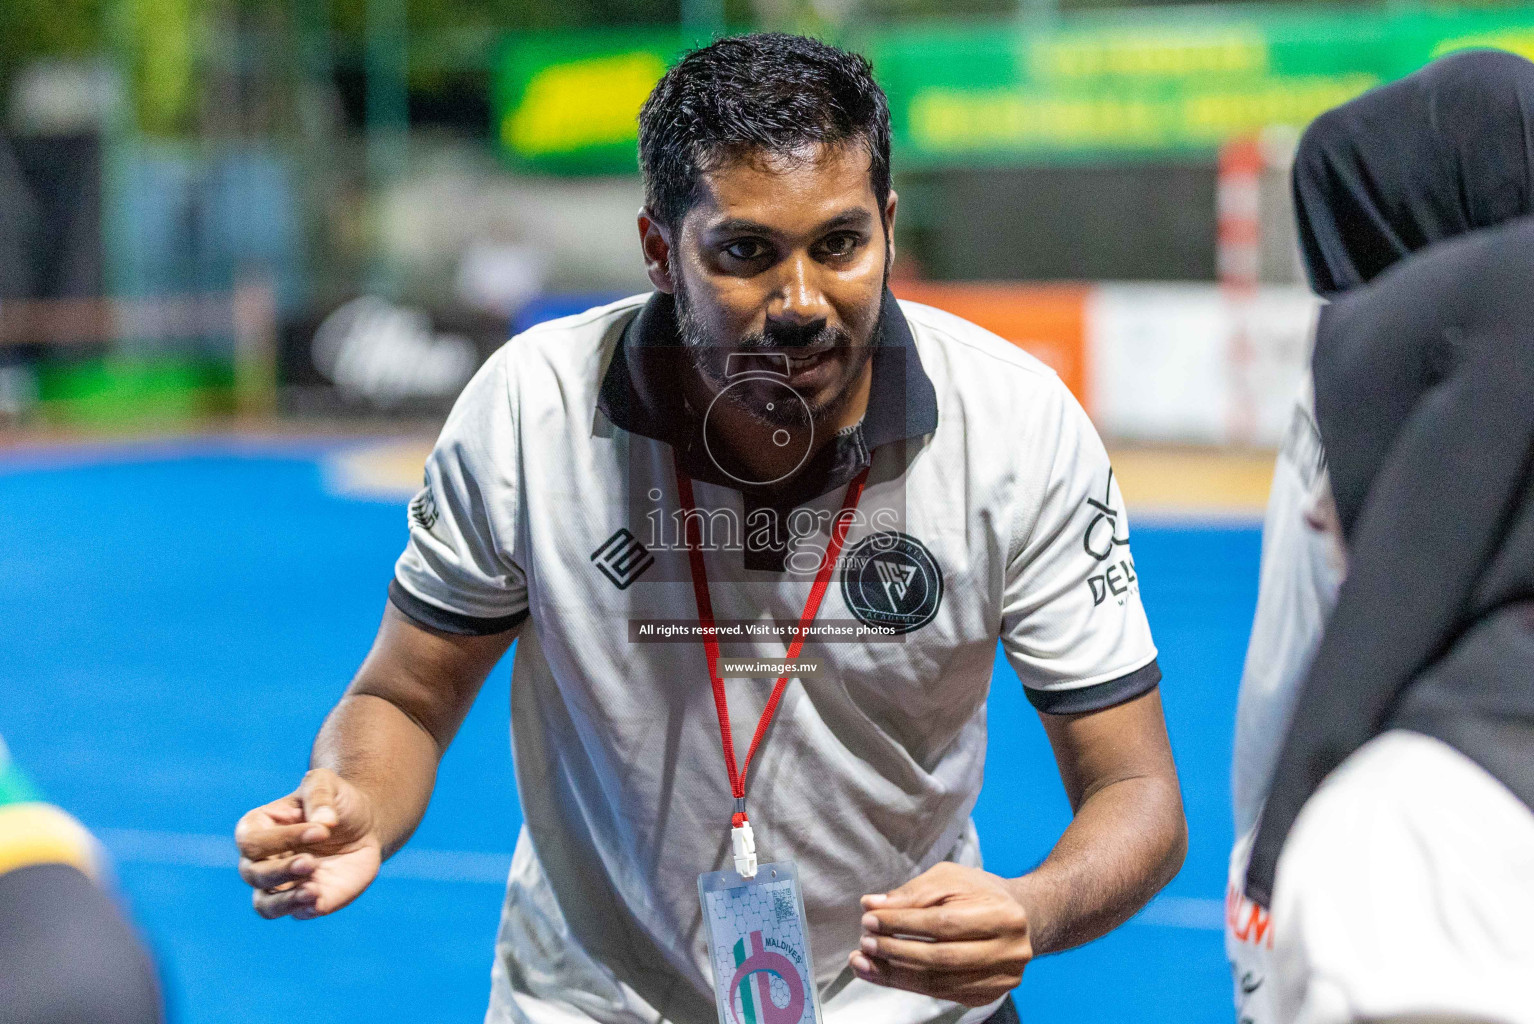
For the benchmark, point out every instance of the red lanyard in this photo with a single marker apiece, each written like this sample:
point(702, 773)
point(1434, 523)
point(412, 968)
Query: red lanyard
point(711, 641)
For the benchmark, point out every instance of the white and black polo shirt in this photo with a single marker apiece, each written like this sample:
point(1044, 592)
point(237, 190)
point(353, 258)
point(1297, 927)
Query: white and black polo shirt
point(990, 513)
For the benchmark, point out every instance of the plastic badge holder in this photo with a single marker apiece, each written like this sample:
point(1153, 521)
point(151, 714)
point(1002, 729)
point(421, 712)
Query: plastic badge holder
point(759, 947)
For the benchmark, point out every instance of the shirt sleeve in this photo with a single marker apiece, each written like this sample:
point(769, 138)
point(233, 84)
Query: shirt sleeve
point(1072, 624)
point(458, 573)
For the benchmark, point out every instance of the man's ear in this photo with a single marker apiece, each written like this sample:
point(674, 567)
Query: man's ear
point(889, 225)
point(655, 243)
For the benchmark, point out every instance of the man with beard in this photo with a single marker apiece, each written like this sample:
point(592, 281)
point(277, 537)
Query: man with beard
point(767, 448)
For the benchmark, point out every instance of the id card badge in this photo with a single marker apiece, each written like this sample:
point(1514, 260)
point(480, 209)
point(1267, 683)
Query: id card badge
point(759, 947)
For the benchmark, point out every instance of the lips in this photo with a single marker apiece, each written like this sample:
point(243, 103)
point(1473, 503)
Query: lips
point(798, 364)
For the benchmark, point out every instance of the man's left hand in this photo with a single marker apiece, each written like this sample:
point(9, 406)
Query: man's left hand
point(952, 932)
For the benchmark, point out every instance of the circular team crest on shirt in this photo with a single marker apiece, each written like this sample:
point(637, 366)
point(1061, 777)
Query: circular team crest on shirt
point(891, 580)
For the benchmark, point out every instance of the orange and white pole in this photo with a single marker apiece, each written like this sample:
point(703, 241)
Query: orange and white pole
point(1238, 261)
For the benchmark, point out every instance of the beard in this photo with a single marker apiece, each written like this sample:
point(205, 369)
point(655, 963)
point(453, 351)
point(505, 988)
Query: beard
point(767, 350)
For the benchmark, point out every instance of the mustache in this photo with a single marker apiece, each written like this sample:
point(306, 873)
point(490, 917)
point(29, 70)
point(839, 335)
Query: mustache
point(815, 334)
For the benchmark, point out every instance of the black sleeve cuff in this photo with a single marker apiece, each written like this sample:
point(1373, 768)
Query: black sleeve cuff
point(1097, 696)
point(444, 621)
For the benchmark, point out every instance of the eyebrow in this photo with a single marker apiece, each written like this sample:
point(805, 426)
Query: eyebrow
point(855, 218)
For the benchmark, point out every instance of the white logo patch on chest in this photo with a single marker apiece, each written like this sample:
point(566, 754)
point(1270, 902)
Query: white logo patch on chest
point(896, 579)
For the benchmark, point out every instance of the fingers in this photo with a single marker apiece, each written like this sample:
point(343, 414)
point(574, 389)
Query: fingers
point(952, 932)
point(298, 901)
point(323, 812)
point(318, 794)
point(275, 828)
point(943, 956)
point(972, 988)
point(258, 840)
point(277, 871)
point(298, 855)
point(947, 923)
point(302, 900)
point(287, 811)
point(928, 888)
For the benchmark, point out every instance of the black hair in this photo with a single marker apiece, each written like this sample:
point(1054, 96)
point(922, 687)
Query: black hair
point(765, 93)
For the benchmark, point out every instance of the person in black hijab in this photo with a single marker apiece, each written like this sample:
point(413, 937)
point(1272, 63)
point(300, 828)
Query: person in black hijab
point(1446, 150)
point(1438, 154)
point(1425, 399)
point(1424, 387)
point(1379, 351)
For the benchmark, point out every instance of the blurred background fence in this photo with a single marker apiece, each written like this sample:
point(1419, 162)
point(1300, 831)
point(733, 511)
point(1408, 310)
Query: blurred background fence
point(339, 208)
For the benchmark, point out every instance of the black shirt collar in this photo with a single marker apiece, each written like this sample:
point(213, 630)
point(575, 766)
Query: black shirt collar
point(640, 394)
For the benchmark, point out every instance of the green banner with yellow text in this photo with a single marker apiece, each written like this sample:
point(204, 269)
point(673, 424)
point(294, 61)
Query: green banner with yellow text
point(1138, 82)
point(1153, 82)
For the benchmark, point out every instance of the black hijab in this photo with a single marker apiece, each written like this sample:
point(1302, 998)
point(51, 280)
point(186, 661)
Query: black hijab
point(1424, 384)
point(1446, 150)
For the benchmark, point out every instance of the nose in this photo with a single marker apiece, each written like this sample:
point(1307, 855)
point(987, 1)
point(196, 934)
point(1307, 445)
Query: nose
point(798, 300)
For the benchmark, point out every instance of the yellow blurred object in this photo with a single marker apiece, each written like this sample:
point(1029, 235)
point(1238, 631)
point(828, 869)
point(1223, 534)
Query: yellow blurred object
point(1194, 482)
point(38, 833)
point(1516, 41)
point(589, 102)
point(387, 470)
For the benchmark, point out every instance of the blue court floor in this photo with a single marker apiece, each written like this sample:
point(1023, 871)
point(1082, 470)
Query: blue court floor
point(178, 618)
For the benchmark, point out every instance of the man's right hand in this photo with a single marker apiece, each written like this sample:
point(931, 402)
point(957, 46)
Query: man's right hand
point(315, 850)
point(311, 852)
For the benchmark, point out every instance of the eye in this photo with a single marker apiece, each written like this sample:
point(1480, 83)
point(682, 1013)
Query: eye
point(746, 249)
point(841, 244)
